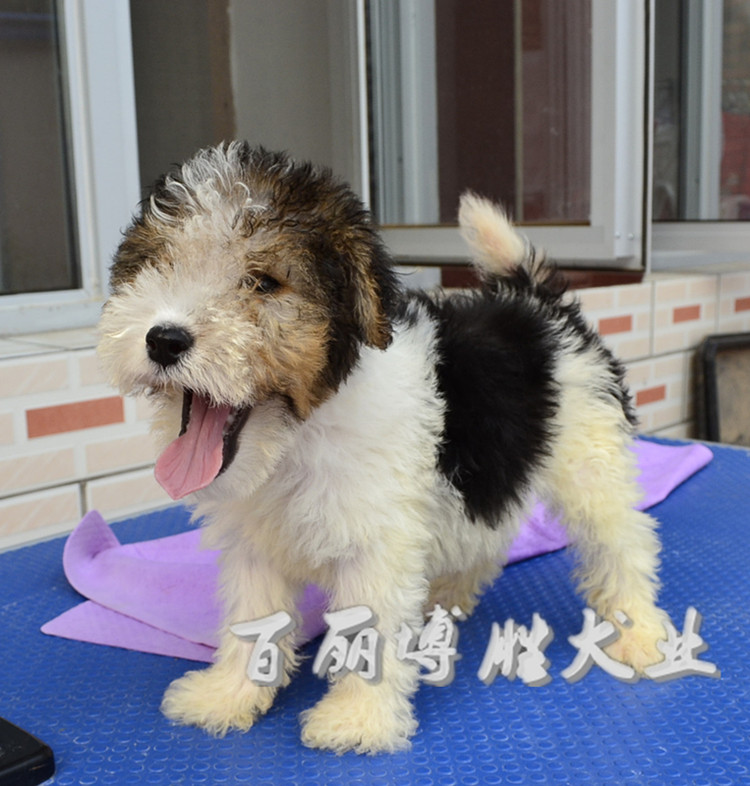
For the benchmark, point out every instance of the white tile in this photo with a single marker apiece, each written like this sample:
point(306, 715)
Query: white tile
point(24, 377)
point(78, 338)
point(10, 348)
point(119, 454)
point(32, 517)
point(126, 494)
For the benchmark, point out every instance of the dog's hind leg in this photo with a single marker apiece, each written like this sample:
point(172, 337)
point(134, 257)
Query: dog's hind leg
point(223, 696)
point(592, 482)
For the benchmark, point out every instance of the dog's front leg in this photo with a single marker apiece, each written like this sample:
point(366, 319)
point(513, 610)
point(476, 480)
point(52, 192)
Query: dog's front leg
point(372, 715)
point(223, 696)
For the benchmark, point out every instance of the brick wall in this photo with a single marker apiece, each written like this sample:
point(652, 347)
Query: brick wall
point(69, 443)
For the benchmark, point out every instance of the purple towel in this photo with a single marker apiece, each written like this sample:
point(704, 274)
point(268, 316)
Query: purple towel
point(159, 596)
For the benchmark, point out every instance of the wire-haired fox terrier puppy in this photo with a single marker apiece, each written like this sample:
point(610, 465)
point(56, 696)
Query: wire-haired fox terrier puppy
point(330, 427)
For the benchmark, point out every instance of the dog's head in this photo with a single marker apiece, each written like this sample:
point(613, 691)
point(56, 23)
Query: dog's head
point(245, 278)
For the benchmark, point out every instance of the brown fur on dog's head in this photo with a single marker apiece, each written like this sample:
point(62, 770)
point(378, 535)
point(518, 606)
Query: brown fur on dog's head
point(284, 251)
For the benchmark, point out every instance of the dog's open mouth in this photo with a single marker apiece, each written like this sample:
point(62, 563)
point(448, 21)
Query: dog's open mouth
point(206, 446)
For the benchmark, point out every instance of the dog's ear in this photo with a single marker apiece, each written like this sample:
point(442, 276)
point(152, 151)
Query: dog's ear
point(373, 291)
point(361, 294)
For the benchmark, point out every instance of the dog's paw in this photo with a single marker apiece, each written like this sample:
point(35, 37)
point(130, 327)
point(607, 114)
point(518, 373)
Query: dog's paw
point(360, 720)
point(216, 700)
point(636, 645)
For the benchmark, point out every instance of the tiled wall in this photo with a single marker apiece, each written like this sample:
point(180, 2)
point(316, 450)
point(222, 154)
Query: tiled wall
point(69, 443)
point(656, 326)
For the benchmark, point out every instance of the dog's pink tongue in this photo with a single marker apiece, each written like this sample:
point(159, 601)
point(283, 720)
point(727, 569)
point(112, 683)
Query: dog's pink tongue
point(193, 460)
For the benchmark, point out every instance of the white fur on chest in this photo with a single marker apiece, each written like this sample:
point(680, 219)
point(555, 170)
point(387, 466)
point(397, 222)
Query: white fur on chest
point(361, 468)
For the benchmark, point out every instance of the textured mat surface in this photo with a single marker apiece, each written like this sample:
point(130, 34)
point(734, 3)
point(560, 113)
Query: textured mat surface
point(97, 707)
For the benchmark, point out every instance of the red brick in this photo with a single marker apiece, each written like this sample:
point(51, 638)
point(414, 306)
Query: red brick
point(650, 395)
point(62, 418)
point(686, 314)
point(611, 325)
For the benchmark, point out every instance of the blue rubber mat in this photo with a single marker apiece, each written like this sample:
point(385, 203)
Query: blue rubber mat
point(97, 707)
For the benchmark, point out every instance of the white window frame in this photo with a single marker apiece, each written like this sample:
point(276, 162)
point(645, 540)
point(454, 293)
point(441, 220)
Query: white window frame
point(405, 109)
point(680, 245)
point(614, 235)
point(621, 233)
point(98, 66)
point(702, 86)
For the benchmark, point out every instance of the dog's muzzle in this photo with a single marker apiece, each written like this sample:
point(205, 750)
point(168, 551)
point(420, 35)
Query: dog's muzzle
point(209, 432)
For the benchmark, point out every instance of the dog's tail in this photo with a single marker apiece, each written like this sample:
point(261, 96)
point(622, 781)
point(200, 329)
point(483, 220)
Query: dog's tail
point(502, 256)
point(485, 226)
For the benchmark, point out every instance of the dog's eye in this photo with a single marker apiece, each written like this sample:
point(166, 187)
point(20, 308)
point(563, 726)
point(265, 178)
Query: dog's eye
point(261, 283)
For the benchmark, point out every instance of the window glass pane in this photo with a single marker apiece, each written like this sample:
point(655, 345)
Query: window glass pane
point(735, 105)
point(488, 95)
point(182, 77)
point(37, 242)
point(701, 110)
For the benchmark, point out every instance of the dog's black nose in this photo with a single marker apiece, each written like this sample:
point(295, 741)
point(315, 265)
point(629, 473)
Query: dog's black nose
point(166, 344)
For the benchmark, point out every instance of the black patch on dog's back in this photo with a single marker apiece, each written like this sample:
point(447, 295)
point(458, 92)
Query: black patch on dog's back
point(498, 349)
point(496, 374)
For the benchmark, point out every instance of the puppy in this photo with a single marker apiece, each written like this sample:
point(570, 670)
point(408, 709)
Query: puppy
point(329, 427)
